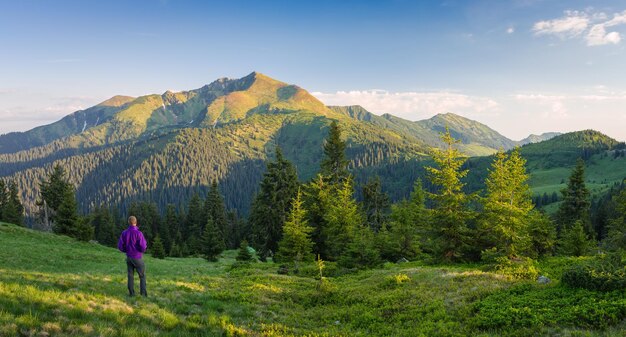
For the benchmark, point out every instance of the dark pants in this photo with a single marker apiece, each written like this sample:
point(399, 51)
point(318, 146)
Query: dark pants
point(140, 267)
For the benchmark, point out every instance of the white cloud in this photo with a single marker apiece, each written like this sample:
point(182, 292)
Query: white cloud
point(412, 105)
point(510, 30)
point(592, 26)
point(573, 24)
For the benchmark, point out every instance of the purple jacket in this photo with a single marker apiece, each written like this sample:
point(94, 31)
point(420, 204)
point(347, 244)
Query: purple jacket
point(132, 242)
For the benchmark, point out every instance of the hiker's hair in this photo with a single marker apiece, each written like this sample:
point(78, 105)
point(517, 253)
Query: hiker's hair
point(132, 219)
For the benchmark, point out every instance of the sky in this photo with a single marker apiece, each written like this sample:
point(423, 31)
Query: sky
point(519, 66)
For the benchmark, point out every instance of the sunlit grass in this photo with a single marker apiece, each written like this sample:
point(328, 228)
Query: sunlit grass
point(54, 286)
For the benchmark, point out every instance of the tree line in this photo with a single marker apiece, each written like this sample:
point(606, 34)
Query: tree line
point(294, 222)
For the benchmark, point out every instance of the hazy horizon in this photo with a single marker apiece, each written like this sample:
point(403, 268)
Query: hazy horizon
point(521, 67)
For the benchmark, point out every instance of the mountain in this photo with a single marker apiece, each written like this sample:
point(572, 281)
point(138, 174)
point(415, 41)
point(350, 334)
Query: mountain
point(165, 148)
point(476, 139)
point(538, 138)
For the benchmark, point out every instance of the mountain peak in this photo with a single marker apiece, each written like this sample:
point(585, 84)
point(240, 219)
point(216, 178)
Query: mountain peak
point(117, 101)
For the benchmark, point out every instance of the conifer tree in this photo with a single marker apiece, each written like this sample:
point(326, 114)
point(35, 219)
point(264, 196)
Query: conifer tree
point(360, 252)
point(576, 203)
point(272, 204)
point(158, 251)
point(4, 198)
point(104, 226)
point(334, 164)
point(244, 253)
point(342, 218)
point(194, 225)
point(376, 204)
point(67, 221)
point(316, 200)
point(53, 191)
point(215, 209)
point(13, 211)
point(451, 212)
point(212, 241)
point(296, 245)
point(507, 205)
point(616, 236)
point(574, 241)
point(542, 233)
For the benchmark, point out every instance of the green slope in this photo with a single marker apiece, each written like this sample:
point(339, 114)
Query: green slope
point(54, 286)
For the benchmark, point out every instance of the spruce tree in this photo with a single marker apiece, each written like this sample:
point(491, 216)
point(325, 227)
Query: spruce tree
point(211, 241)
point(4, 198)
point(67, 221)
point(576, 203)
point(342, 218)
point(215, 209)
point(574, 241)
point(451, 212)
point(104, 226)
point(272, 204)
point(13, 211)
point(194, 225)
point(376, 204)
point(316, 196)
point(158, 251)
point(244, 252)
point(507, 205)
point(616, 236)
point(361, 251)
point(334, 164)
point(542, 233)
point(296, 245)
point(53, 191)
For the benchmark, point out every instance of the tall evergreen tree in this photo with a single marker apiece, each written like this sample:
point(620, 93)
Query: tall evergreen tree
point(451, 212)
point(574, 241)
point(194, 225)
point(296, 245)
point(342, 218)
point(334, 164)
point(211, 241)
point(542, 233)
point(215, 209)
point(616, 237)
point(68, 222)
point(576, 203)
point(4, 198)
point(13, 211)
point(272, 204)
point(316, 201)
point(158, 251)
point(507, 205)
point(104, 226)
point(376, 204)
point(54, 190)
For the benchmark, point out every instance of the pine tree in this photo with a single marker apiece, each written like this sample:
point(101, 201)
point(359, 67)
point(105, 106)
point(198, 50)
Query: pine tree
point(342, 219)
point(360, 252)
point(4, 198)
point(542, 233)
point(507, 205)
point(616, 236)
point(53, 192)
point(215, 209)
point(244, 252)
point(296, 245)
point(376, 204)
point(451, 214)
point(272, 204)
point(574, 241)
point(67, 221)
point(316, 201)
point(158, 251)
point(575, 205)
point(194, 225)
point(334, 164)
point(13, 211)
point(212, 241)
point(104, 226)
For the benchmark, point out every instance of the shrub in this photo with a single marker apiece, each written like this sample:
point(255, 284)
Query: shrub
point(606, 273)
point(520, 268)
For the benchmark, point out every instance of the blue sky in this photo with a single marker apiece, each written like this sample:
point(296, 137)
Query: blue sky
point(525, 66)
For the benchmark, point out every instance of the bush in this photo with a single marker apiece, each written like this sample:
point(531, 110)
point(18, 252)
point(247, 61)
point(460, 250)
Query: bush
point(522, 268)
point(604, 274)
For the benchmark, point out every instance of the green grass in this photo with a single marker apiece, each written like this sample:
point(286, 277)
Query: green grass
point(55, 286)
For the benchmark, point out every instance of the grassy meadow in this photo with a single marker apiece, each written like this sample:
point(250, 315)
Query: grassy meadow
point(54, 286)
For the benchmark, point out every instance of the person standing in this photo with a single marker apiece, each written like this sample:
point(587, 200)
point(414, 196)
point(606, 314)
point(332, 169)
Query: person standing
point(133, 243)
